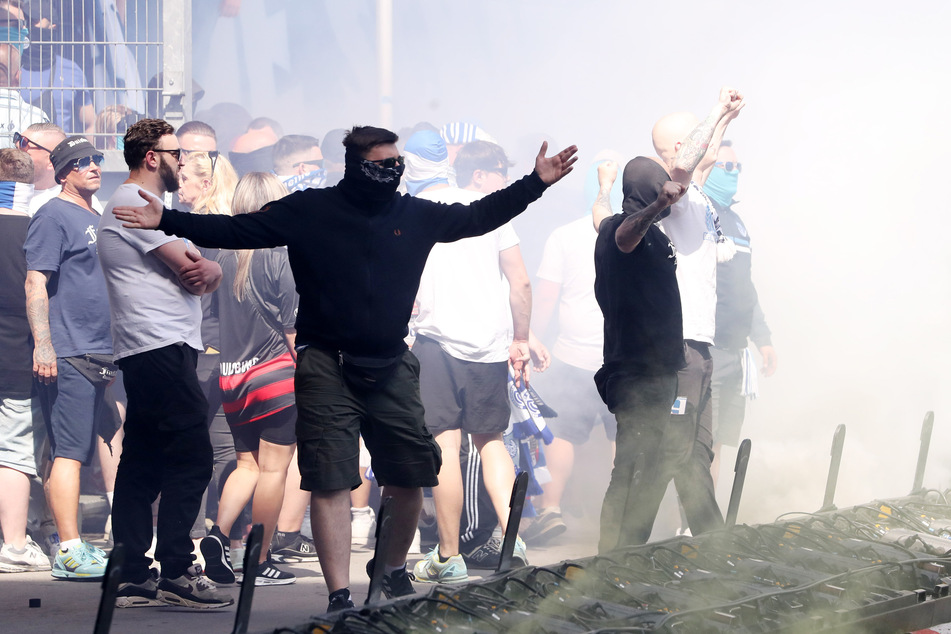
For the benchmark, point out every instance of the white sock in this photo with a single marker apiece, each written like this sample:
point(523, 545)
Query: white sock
point(69, 543)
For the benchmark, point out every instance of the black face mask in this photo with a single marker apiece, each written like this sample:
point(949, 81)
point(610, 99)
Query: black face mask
point(369, 183)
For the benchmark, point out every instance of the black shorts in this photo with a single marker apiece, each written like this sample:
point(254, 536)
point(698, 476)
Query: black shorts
point(276, 428)
point(331, 416)
point(460, 394)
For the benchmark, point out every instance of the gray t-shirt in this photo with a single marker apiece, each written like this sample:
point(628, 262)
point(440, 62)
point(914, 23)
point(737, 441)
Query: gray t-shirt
point(149, 306)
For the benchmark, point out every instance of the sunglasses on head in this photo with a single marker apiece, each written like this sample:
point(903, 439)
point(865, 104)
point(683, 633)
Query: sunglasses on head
point(87, 161)
point(212, 156)
point(389, 163)
point(730, 166)
point(22, 142)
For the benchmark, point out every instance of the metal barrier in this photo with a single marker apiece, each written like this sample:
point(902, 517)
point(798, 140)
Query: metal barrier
point(94, 70)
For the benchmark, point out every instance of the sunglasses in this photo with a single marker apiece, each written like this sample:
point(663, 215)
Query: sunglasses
point(23, 143)
point(500, 170)
point(86, 162)
point(389, 163)
point(212, 156)
point(319, 162)
point(730, 166)
point(176, 153)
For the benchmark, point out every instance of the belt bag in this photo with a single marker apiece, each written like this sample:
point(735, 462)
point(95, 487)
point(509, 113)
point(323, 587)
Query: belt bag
point(97, 368)
point(367, 373)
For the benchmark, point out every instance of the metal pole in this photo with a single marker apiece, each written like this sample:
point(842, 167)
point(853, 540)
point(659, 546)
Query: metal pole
point(739, 478)
point(926, 426)
point(838, 441)
point(384, 43)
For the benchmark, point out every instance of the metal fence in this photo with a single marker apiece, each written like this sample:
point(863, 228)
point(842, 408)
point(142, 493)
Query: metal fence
point(94, 67)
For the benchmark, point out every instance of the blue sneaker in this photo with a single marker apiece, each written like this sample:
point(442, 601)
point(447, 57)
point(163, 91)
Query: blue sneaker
point(518, 553)
point(82, 563)
point(430, 570)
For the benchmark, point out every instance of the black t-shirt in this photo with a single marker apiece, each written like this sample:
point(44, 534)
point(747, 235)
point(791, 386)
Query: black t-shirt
point(16, 346)
point(247, 337)
point(637, 291)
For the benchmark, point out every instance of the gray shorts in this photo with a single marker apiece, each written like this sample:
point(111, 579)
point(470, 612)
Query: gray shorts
point(18, 443)
point(571, 392)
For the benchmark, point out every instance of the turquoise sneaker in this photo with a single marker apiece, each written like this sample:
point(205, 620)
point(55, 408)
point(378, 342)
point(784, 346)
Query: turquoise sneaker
point(430, 570)
point(518, 553)
point(82, 563)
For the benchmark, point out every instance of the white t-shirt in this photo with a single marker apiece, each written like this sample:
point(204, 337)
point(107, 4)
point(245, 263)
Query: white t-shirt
point(463, 297)
point(150, 308)
point(691, 227)
point(568, 260)
point(16, 115)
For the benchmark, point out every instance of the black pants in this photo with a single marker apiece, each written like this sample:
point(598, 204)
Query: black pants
point(654, 446)
point(166, 450)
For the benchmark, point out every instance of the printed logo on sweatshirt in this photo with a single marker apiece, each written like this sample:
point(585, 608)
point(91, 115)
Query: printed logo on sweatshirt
point(237, 367)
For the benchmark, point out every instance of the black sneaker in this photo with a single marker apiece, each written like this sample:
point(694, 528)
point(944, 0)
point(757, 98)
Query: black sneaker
point(192, 590)
point(395, 584)
point(139, 595)
point(292, 546)
point(216, 549)
point(269, 575)
point(546, 526)
point(484, 557)
point(340, 600)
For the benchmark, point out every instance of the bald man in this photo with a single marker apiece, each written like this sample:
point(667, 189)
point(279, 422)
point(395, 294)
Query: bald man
point(638, 272)
point(693, 228)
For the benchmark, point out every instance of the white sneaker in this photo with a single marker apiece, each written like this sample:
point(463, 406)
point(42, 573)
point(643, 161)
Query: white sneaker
point(414, 548)
point(362, 527)
point(31, 558)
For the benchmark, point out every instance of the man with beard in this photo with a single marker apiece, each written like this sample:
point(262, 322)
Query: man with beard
point(154, 282)
point(357, 251)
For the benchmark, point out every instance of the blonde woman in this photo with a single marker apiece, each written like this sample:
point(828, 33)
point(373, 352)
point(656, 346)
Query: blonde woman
point(257, 307)
point(206, 183)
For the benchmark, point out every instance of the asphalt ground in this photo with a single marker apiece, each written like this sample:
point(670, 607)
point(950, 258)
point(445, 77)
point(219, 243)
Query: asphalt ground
point(70, 606)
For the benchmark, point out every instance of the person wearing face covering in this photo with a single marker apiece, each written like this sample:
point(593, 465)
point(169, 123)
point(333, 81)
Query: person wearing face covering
point(739, 317)
point(638, 287)
point(357, 251)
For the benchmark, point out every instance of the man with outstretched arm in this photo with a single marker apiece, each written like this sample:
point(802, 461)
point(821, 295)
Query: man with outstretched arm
point(637, 288)
point(357, 251)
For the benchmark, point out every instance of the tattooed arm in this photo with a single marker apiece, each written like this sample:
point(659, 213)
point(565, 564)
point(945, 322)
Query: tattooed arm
point(630, 232)
point(698, 142)
point(38, 314)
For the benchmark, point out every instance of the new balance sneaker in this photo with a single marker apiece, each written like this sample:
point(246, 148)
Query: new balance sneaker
point(340, 600)
point(546, 526)
point(292, 546)
point(395, 584)
point(216, 549)
point(29, 559)
point(139, 595)
point(485, 556)
point(431, 570)
point(80, 563)
point(362, 527)
point(192, 590)
point(270, 575)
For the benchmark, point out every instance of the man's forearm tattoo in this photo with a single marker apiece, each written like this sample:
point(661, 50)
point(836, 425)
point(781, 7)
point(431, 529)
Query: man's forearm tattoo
point(695, 145)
